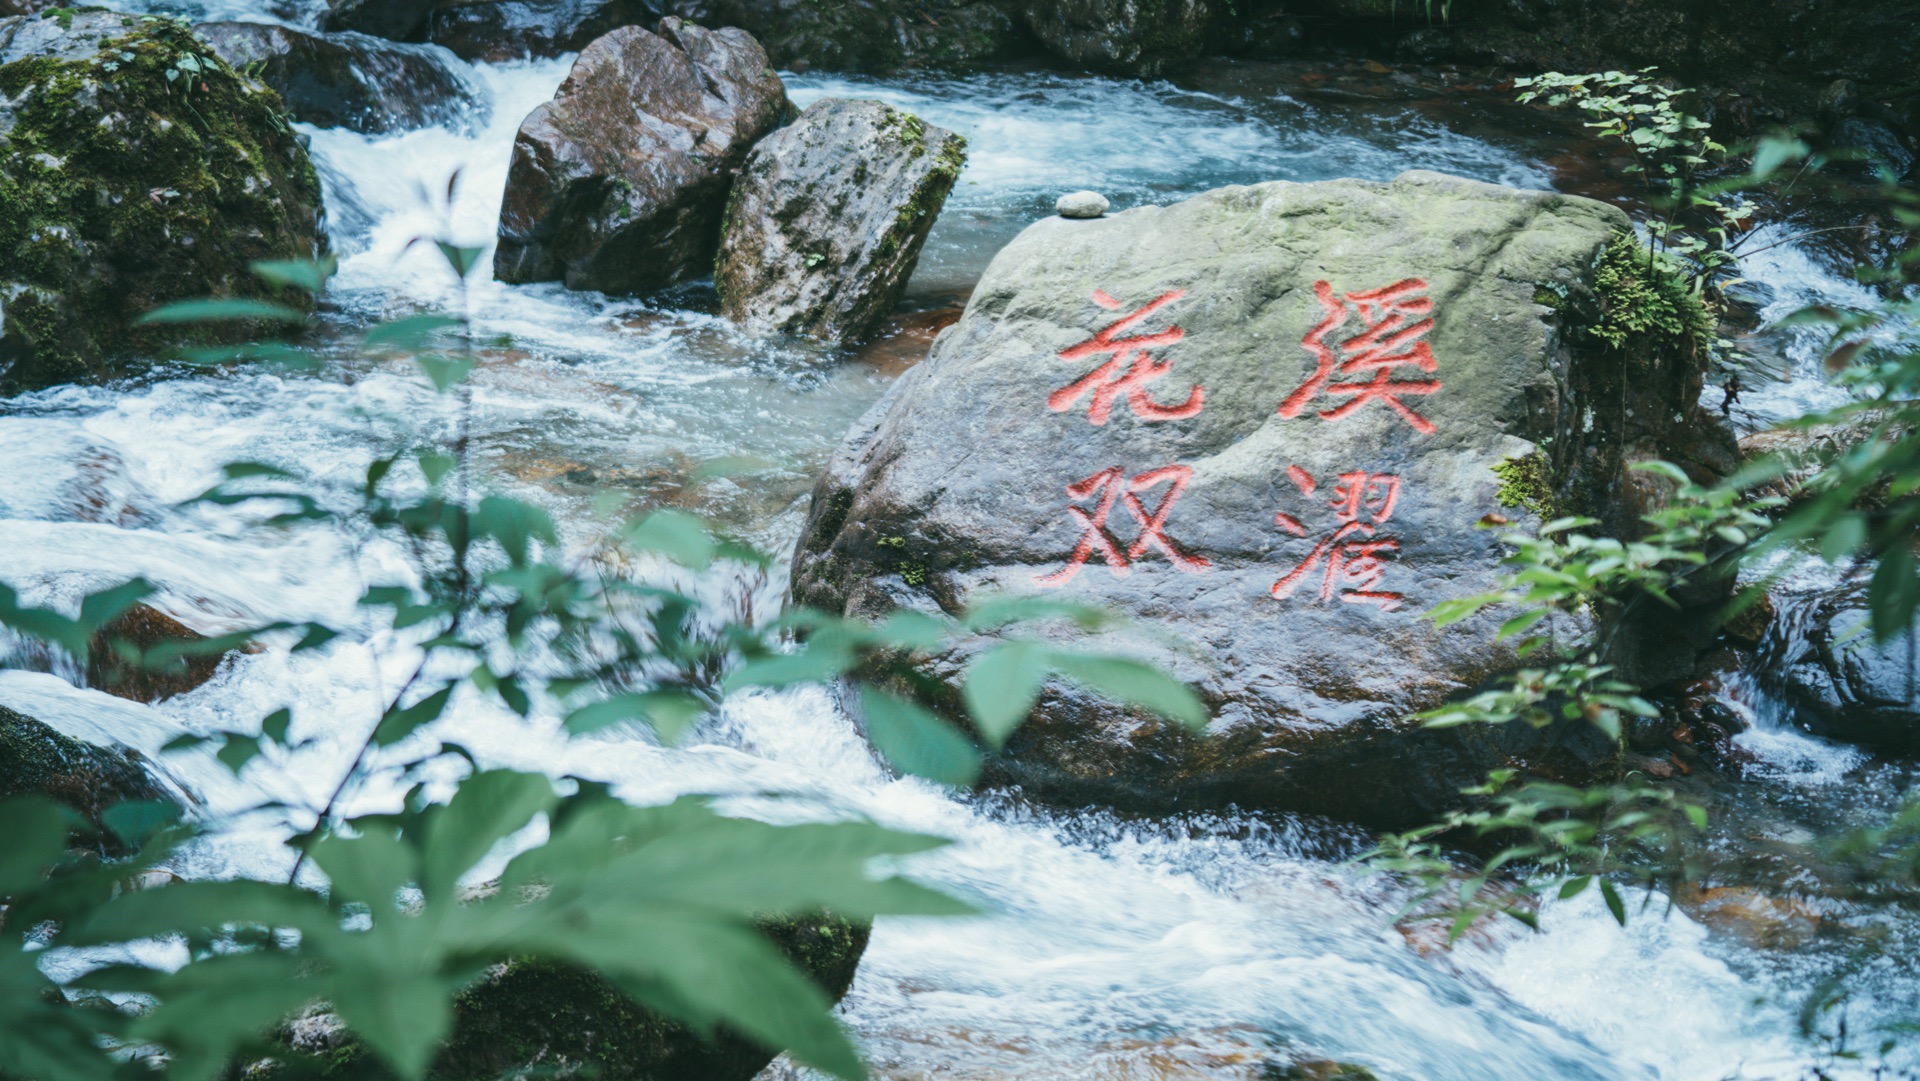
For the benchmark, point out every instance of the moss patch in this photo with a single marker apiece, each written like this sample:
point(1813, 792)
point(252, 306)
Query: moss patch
point(1647, 310)
point(139, 169)
point(1526, 481)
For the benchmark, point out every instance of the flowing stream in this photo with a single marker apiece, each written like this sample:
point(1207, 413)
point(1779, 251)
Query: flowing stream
point(1198, 946)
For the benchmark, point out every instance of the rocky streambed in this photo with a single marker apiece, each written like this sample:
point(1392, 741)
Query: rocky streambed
point(1152, 941)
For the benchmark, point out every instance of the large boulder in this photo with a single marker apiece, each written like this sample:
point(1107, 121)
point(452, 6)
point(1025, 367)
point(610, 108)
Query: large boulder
point(872, 35)
point(1263, 423)
point(1127, 37)
point(36, 760)
point(136, 168)
point(827, 219)
point(515, 29)
point(400, 20)
point(351, 80)
point(619, 182)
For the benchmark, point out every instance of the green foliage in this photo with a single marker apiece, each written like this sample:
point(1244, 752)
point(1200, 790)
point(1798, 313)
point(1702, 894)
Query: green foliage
point(1527, 481)
point(661, 902)
point(1647, 308)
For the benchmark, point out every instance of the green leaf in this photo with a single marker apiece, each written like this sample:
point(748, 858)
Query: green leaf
point(462, 260)
point(401, 722)
point(668, 712)
point(486, 809)
point(36, 832)
point(1001, 687)
point(402, 1017)
point(236, 751)
point(1573, 887)
point(680, 537)
point(275, 726)
point(306, 274)
point(222, 311)
point(412, 333)
point(444, 371)
point(917, 742)
point(1893, 593)
point(1136, 684)
point(1614, 904)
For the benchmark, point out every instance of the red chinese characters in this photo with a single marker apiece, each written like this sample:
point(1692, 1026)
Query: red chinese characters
point(1369, 365)
point(1347, 560)
point(1129, 368)
point(1105, 489)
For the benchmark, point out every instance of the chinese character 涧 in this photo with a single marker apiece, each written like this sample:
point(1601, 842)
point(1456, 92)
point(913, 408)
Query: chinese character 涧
point(1129, 367)
point(1394, 325)
point(1361, 503)
point(1111, 486)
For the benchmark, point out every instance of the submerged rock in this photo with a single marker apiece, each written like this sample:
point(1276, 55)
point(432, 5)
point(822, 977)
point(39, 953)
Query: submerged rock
point(1263, 423)
point(538, 1017)
point(35, 760)
point(136, 168)
point(827, 219)
point(619, 182)
point(351, 80)
point(1127, 37)
point(143, 675)
point(513, 29)
point(871, 35)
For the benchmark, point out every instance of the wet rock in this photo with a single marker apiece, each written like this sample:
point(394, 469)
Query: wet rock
point(122, 189)
point(399, 20)
point(513, 29)
point(538, 1017)
point(871, 35)
point(1082, 204)
point(1798, 454)
point(1180, 413)
point(619, 182)
point(828, 216)
point(1820, 654)
point(351, 80)
point(1126, 37)
point(1755, 919)
point(36, 760)
point(143, 654)
point(1871, 146)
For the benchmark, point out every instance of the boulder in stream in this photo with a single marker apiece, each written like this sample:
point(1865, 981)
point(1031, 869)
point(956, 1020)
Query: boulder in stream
point(351, 80)
point(1262, 424)
point(827, 218)
point(398, 20)
point(619, 182)
point(871, 35)
point(1127, 37)
point(1819, 653)
point(36, 760)
point(514, 29)
point(136, 168)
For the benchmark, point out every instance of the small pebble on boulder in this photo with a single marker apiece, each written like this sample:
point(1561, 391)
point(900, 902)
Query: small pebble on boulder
point(619, 183)
point(1082, 204)
point(828, 217)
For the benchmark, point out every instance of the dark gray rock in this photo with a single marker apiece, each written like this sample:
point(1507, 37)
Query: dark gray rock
point(351, 80)
point(827, 219)
point(36, 760)
point(871, 35)
point(1175, 413)
point(1872, 147)
point(398, 20)
point(1127, 37)
point(1819, 654)
point(619, 182)
point(514, 29)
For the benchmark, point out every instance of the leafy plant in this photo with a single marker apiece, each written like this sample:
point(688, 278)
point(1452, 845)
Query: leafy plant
point(659, 900)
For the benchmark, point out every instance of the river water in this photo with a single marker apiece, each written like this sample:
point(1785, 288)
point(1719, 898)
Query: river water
point(1201, 946)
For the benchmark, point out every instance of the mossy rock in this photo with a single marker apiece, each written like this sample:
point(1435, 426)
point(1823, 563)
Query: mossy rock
point(537, 1017)
point(35, 760)
point(136, 169)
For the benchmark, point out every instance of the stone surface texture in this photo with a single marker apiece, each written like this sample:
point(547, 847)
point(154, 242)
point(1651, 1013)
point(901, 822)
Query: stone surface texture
point(872, 35)
point(1126, 37)
point(513, 29)
point(1249, 545)
point(122, 189)
point(1082, 204)
point(619, 183)
point(826, 221)
point(36, 760)
point(350, 80)
point(399, 20)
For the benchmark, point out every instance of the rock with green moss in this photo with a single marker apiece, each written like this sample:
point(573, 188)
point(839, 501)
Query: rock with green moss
point(538, 1018)
point(827, 219)
point(36, 760)
point(136, 169)
point(619, 183)
point(1263, 424)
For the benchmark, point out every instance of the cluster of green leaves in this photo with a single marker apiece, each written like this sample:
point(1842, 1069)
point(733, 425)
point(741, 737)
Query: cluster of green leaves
point(658, 900)
point(1556, 839)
